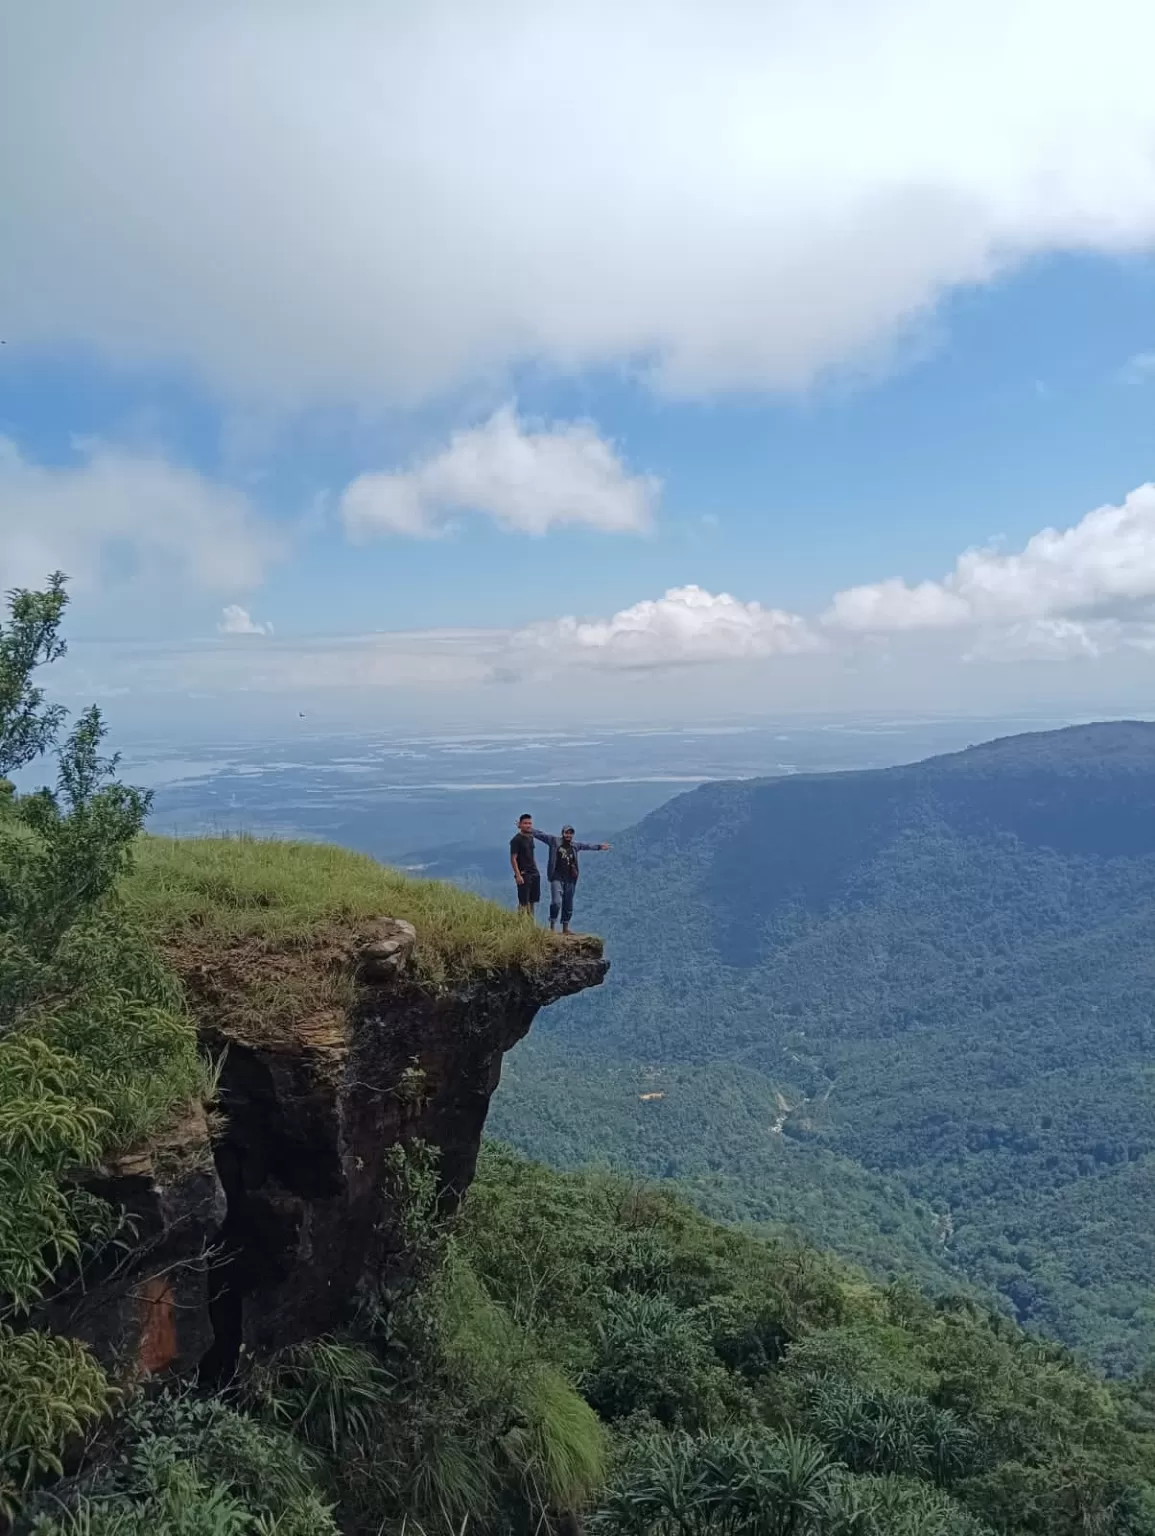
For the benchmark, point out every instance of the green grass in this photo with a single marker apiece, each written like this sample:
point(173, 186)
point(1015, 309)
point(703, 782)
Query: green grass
point(287, 894)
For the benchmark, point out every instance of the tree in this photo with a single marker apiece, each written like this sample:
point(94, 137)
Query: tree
point(95, 1042)
point(30, 640)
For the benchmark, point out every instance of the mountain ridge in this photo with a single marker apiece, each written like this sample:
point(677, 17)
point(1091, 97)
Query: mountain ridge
point(957, 952)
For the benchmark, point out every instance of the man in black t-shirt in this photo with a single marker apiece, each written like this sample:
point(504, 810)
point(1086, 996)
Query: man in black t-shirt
point(523, 862)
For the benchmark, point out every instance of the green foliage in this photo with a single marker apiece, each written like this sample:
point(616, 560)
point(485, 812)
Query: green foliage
point(880, 1431)
point(50, 1391)
point(188, 1467)
point(290, 894)
point(751, 1482)
point(907, 1012)
point(440, 1409)
point(95, 1043)
point(547, 1445)
point(46, 1127)
point(571, 1345)
point(738, 1480)
point(673, 1378)
point(29, 640)
point(479, 1425)
point(327, 1392)
point(654, 1357)
point(755, 1385)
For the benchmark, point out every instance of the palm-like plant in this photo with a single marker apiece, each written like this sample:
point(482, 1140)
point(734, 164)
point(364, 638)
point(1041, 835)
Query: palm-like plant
point(890, 1432)
point(741, 1482)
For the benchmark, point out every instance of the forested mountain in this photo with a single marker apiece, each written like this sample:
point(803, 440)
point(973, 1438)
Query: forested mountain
point(911, 1010)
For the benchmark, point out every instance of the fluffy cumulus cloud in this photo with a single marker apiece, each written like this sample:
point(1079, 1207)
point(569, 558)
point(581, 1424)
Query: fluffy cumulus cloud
point(686, 625)
point(527, 480)
point(117, 515)
point(1102, 566)
point(236, 620)
point(378, 201)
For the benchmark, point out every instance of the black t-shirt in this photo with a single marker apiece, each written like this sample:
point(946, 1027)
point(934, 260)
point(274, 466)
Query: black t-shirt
point(565, 862)
point(521, 846)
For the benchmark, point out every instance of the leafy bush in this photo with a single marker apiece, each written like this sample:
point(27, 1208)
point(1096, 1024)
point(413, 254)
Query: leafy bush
point(896, 1432)
point(653, 1357)
point(51, 1390)
point(831, 1407)
point(187, 1467)
point(95, 1044)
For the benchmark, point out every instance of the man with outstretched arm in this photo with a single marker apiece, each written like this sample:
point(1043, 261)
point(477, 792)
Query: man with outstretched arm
point(562, 872)
point(523, 862)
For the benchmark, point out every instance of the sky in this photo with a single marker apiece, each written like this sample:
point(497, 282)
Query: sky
point(504, 360)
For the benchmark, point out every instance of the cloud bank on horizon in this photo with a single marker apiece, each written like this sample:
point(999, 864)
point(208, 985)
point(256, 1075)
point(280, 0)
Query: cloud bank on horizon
point(1083, 592)
point(1099, 571)
point(387, 202)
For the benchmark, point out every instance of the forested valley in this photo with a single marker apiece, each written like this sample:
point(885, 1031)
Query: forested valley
point(908, 1011)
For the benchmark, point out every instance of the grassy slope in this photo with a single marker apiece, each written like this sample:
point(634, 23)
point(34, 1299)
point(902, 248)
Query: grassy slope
point(111, 1053)
point(286, 894)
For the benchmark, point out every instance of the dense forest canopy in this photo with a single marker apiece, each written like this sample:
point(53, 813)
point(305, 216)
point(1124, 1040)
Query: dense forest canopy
point(909, 1009)
point(584, 1345)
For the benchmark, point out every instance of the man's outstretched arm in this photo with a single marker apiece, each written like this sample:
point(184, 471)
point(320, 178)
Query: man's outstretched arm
point(592, 847)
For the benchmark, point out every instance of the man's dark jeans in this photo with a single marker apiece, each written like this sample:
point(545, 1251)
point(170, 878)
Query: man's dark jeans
point(561, 900)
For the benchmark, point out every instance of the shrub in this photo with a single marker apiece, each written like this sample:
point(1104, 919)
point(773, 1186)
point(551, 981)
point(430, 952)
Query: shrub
point(95, 1045)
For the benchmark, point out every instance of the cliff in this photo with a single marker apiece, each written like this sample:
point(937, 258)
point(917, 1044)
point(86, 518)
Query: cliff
point(338, 1039)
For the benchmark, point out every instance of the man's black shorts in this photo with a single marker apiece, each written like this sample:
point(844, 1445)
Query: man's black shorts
point(529, 891)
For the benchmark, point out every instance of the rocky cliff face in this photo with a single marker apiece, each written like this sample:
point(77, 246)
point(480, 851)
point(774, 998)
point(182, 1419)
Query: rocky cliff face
point(266, 1227)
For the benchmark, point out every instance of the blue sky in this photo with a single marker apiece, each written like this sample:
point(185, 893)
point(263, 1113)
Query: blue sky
point(457, 347)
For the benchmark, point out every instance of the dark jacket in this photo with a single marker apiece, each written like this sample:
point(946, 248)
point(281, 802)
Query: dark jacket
point(549, 838)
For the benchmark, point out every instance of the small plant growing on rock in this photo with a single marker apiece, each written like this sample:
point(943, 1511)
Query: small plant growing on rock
point(412, 1087)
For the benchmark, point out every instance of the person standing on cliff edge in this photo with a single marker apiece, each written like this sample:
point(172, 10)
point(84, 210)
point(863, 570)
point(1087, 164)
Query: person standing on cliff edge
point(562, 872)
point(523, 862)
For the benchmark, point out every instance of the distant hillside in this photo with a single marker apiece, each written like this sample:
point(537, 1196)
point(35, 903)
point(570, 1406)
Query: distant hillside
point(939, 976)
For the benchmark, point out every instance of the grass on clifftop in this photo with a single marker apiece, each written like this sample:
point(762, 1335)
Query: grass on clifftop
point(243, 888)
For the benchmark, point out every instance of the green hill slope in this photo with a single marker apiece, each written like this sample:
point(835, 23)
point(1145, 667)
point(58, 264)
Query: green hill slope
point(946, 974)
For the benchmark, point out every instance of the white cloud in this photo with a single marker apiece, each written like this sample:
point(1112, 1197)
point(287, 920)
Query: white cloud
point(1140, 369)
point(528, 481)
point(381, 201)
point(236, 620)
point(686, 625)
point(1046, 640)
point(1106, 561)
point(116, 515)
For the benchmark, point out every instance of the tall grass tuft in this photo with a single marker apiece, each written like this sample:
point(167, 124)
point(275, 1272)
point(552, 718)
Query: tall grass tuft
point(287, 894)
